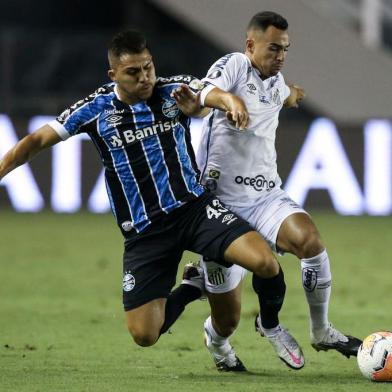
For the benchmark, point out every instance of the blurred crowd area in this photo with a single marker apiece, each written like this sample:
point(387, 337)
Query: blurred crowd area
point(55, 52)
point(52, 53)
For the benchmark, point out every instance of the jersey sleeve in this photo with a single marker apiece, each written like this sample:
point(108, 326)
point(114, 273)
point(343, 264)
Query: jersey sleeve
point(225, 73)
point(73, 119)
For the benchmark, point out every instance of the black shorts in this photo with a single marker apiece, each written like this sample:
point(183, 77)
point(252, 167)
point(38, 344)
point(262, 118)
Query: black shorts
point(151, 258)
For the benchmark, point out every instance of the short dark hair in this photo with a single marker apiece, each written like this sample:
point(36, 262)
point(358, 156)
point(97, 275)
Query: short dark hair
point(130, 41)
point(262, 20)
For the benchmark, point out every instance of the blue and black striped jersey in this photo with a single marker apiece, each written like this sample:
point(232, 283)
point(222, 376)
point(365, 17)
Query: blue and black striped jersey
point(150, 167)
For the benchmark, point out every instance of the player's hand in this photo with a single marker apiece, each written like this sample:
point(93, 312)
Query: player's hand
point(297, 94)
point(187, 101)
point(238, 113)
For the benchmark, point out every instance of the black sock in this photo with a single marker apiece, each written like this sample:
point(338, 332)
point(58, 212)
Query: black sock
point(176, 302)
point(271, 294)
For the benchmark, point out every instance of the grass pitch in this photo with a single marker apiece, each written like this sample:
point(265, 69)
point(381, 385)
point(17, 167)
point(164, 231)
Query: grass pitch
point(62, 325)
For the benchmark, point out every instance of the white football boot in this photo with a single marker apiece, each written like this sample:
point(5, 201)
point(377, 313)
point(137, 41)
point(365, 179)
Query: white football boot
point(285, 346)
point(331, 339)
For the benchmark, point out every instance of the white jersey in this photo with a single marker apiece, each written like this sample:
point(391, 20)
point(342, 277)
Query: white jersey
point(240, 166)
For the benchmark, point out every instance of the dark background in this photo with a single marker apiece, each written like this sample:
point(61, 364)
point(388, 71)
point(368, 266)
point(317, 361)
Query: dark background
point(54, 53)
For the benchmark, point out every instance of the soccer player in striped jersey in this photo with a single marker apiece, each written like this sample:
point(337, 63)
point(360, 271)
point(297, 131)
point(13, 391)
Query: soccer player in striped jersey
point(143, 138)
point(241, 168)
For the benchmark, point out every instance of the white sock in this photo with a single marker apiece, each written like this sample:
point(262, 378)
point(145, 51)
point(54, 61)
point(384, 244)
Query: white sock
point(316, 281)
point(271, 332)
point(216, 339)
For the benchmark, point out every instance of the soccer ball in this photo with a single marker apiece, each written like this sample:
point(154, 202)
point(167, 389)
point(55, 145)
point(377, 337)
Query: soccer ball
point(375, 356)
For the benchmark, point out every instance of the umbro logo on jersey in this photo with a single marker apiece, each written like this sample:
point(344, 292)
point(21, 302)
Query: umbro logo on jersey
point(251, 88)
point(113, 118)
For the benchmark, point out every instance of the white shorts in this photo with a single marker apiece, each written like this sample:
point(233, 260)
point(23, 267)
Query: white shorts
point(266, 216)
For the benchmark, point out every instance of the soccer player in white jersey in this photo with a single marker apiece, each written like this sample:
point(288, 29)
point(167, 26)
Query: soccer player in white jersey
point(240, 167)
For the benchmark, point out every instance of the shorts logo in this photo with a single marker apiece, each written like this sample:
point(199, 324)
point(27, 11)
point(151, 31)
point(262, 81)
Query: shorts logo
point(215, 210)
point(170, 109)
point(128, 281)
point(216, 277)
point(309, 279)
point(258, 183)
point(229, 218)
point(127, 226)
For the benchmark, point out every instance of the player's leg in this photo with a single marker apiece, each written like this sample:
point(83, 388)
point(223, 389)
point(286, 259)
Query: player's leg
point(149, 321)
point(223, 289)
point(266, 218)
point(150, 267)
point(145, 322)
point(271, 293)
point(251, 252)
point(269, 289)
point(190, 289)
point(299, 235)
point(236, 244)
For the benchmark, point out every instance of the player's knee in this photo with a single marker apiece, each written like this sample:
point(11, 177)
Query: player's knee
point(143, 338)
point(308, 244)
point(266, 265)
point(225, 326)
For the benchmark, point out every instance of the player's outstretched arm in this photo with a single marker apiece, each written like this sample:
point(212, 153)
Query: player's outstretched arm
point(235, 108)
point(27, 148)
point(189, 102)
point(297, 94)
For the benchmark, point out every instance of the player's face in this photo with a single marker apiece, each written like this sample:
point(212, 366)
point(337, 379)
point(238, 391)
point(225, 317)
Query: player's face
point(267, 49)
point(135, 76)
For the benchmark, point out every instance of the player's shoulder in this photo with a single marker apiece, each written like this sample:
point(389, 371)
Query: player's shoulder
point(230, 63)
point(97, 98)
point(103, 91)
point(235, 58)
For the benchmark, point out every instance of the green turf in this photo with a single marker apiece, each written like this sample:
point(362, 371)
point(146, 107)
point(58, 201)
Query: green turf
point(62, 326)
